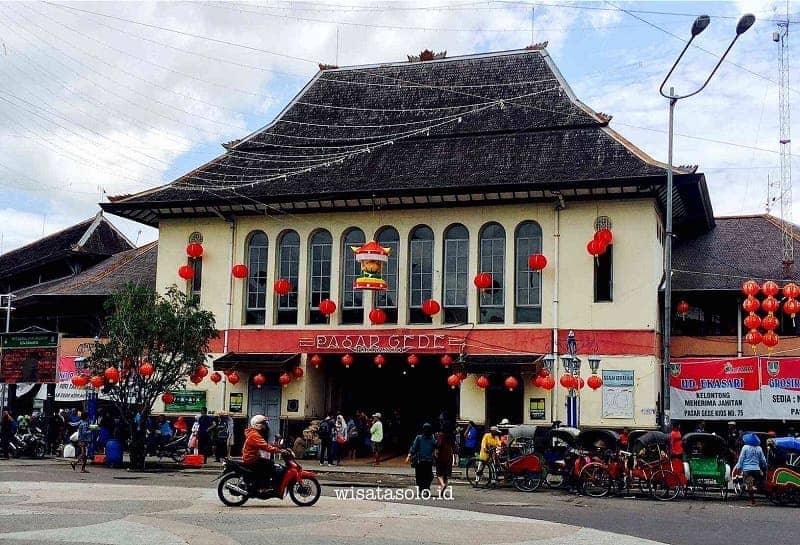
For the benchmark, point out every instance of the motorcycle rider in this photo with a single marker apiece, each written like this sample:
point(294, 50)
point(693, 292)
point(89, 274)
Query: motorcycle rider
point(256, 452)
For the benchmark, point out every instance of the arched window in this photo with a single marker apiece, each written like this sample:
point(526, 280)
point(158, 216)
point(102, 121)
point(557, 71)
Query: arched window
point(456, 262)
point(528, 301)
point(256, 309)
point(492, 260)
point(388, 237)
point(320, 278)
point(352, 299)
point(420, 272)
point(288, 265)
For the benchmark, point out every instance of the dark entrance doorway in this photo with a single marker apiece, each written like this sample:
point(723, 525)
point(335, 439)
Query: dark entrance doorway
point(502, 403)
point(267, 401)
point(406, 397)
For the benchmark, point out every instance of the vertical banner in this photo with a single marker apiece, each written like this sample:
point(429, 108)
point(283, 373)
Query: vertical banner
point(715, 389)
point(617, 394)
point(780, 388)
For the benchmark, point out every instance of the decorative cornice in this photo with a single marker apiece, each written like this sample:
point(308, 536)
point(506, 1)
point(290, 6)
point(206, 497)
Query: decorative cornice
point(537, 47)
point(323, 67)
point(427, 55)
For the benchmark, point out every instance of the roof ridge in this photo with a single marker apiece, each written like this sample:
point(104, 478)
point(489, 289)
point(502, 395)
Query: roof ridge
point(123, 259)
point(51, 235)
point(504, 53)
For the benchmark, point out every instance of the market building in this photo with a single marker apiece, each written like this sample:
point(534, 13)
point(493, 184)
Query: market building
point(462, 168)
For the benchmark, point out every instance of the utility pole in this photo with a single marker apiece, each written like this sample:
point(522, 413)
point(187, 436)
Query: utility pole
point(781, 188)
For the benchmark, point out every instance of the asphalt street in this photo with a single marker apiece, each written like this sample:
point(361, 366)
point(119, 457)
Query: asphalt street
point(109, 494)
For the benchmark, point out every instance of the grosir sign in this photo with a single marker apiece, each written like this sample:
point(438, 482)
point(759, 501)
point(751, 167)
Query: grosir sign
point(379, 343)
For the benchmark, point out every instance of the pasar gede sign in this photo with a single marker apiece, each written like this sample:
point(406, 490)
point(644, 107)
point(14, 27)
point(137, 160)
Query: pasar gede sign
point(380, 343)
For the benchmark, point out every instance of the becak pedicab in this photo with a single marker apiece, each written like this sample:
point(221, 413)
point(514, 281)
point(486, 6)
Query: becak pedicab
point(599, 469)
point(526, 468)
point(705, 466)
point(558, 450)
point(651, 468)
point(782, 485)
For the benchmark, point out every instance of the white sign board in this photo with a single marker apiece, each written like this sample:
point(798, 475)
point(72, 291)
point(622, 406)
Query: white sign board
point(617, 394)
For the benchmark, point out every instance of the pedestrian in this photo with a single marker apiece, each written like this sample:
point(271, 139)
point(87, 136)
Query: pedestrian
point(204, 441)
point(353, 439)
point(443, 456)
point(623, 438)
point(6, 433)
point(732, 436)
point(675, 442)
point(338, 441)
point(84, 438)
point(55, 432)
point(421, 457)
point(325, 432)
point(489, 444)
point(376, 437)
point(362, 428)
point(224, 429)
point(701, 427)
point(194, 438)
point(470, 444)
point(752, 463)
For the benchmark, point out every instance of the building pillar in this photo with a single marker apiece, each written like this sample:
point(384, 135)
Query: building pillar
point(509, 276)
point(303, 278)
point(473, 295)
point(438, 268)
point(336, 277)
point(402, 278)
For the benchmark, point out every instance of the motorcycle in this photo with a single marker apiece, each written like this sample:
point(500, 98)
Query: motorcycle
point(237, 483)
point(176, 447)
point(32, 443)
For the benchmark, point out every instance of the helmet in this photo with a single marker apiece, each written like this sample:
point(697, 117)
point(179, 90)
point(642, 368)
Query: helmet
point(258, 420)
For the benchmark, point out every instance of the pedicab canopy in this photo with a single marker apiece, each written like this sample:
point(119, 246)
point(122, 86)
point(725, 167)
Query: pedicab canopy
point(599, 439)
point(566, 435)
point(704, 444)
point(648, 439)
point(788, 443)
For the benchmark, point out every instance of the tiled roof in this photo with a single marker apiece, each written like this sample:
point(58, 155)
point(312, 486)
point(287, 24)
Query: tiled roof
point(737, 248)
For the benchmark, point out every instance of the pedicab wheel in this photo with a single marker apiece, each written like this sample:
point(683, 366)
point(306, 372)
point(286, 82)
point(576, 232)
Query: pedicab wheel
point(528, 482)
point(470, 468)
point(229, 497)
point(305, 492)
point(665, 485)
point(595, 481)
point(178, 457)
point(723, 492)
point(40, 451)
point(776, 499)
point(555, 481)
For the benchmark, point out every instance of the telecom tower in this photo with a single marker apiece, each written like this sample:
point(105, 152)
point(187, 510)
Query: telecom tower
point(781, 187)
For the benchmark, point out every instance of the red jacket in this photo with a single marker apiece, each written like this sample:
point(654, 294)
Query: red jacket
point(253, 444)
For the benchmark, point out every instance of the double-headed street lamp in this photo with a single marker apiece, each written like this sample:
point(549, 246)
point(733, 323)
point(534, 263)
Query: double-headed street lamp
point(700, 24)
point(572, 366)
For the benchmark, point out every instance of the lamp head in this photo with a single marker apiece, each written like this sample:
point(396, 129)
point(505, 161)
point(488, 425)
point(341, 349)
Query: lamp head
point(548, 361)
point(745, 23)
point(701, 23)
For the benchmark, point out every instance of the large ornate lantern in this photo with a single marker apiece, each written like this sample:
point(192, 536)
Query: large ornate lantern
point(372, 256)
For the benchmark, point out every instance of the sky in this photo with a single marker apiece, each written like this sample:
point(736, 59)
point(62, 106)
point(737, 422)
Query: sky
point(110, 98)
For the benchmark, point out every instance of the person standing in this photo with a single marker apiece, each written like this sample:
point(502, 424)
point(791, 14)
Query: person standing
point(194, 438)
point(338, 442)
point(6, 433)
point(353, 438)
point(421, 456)
point(84, 438)
point(221, 438)
point(752, 464)
point(204, 442)
point(324, 432)
point(470, 441)
point(376, 437)
point(490, 442)
point(443, 456)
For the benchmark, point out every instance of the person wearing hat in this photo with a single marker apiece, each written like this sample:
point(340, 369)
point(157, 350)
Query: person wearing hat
point(490, 442)
point(376, 437)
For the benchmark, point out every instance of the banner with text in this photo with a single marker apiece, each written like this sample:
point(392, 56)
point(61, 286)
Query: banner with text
point(780, 388)
point(703, 389)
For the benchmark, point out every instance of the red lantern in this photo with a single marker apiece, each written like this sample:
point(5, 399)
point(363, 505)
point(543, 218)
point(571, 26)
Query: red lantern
point(195, 379)
point(80, 381)
point(431, 307)
point(316, 360)
point(233, 377)
point(146, 369)
point(752, 321)
point(167, 398)
point(239, 271)
point(284, 379)
point(791, 291)
point(298, 372)
point(453, 381)
point(567, 381)
point(112, 375)
point(548, 382)
point(282, 286)
point(579, 383)
point(413, 360)
point(537, 382)
point(683, 308)
point(791, 307)
point(462, 375)
point(259, 380)
point(770, 304)
point(201, 371)
point(97, 381)
point(186, 272)
point(215, 377)
point(594, 382)
point(194, 250)
point(770, 339)
point(770, 322)
point(347, 360)
point(751, 304)
point(379, 360)
point(483, 281)
point(327, 307)
point(543, 373)
point(751, 288)
point(377, 316)
point(770, 288)
point(595, 247)
point(447, 361)
point(511, 383)
point(482, 382)
point(604, 237)
point(537, 262)
point(753, 338)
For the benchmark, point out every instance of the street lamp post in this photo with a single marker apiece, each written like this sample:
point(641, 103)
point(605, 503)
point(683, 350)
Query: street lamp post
point(699, 25)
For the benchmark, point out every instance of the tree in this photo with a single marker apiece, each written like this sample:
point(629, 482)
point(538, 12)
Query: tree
point(170, 333)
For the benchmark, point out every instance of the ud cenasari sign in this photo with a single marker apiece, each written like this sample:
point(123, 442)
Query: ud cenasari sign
point(186, 401)
point(29, 357)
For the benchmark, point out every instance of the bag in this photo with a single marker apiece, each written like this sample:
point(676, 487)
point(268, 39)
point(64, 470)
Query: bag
point(193, 441)
point(353, 433)
point(74, 437)
point(340, 439)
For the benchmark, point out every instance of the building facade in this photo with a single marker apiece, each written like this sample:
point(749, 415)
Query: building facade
point(455, 183)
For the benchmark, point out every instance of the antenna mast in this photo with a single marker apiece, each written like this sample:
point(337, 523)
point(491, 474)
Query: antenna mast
point(782, 191)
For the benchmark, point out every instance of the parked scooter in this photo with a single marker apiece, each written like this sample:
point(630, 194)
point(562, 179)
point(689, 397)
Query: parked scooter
point(175, 447)
point(32, 443)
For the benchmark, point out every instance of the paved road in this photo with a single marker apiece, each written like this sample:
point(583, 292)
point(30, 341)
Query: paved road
point(42, 502)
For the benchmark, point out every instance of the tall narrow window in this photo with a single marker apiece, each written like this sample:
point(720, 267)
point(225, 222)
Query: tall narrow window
point(528, 308)
point(288, 264)
point(352, 299)
point(420, 273)
point(387, 300)
point(604, 276)
point(320, 280)
point(456, 261)
point(197, 279)
point(492, 260)
point(256, 310)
